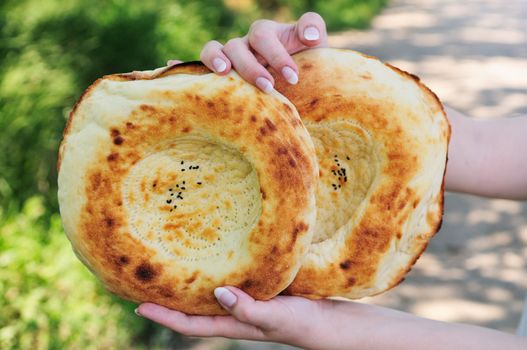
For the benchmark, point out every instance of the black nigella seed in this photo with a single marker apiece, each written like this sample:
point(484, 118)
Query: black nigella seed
point(154, 184)
point(345, 179)
point(199, 183)
point(177, 186)
point(348, 158)
point(335, 156)
point(170, 189)
point(182, 169)
point(183, 182)
point(175, 206)
point(182, 162)
point(169, 201)
point(183, 188)
point(339, 186)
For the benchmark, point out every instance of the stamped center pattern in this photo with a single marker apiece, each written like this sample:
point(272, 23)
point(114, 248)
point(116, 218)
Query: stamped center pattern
point(348, 167)
point(193, 198)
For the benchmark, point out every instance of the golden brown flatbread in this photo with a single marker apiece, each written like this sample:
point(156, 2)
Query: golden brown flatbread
point(176, 181)
point(381, 140)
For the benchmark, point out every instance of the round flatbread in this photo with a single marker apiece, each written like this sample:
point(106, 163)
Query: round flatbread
point(381, 140)
point(176, 181)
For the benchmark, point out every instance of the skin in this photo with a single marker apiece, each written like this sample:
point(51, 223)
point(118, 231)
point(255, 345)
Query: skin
point(485, 159)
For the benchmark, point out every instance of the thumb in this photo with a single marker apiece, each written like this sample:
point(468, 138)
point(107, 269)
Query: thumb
point(261, 314)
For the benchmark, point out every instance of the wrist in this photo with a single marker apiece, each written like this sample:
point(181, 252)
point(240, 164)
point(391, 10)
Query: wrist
point(339, 325)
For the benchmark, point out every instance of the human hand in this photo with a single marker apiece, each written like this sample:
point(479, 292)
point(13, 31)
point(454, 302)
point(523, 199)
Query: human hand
point(327, 324)
point(267, 43)
point(291, 320)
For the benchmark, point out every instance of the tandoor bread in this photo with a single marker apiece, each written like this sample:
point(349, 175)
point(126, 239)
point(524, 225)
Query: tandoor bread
point(381, 140)
point(176, 181)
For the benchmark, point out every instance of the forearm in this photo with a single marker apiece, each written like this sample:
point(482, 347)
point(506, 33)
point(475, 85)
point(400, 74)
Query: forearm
point(488, 157)
point(359, 326)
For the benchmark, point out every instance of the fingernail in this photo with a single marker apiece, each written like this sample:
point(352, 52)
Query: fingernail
point(264, 85)
point(311, 33)
point(225, 297)
point(219, 65)
point(290, 75)
point(137, 312)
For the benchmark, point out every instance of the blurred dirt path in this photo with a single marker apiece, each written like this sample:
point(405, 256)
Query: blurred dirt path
point(473, 54)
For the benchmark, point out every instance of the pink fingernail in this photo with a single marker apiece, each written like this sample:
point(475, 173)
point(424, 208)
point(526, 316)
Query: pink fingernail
point(225, 297)
point(219, 65)
point(290, 75)
point(264, 84)
point(311, 34)
point(137, 312)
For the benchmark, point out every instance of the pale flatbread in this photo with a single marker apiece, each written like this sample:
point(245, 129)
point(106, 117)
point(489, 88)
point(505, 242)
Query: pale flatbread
point(381, 140)
point(177, 181)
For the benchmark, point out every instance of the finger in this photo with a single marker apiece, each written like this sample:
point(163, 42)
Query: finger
point(212, 56)
point(246, 64)
point(264, 40)
point(311, 30)
point(266, 315)
point(199, 326)
point(173, 62)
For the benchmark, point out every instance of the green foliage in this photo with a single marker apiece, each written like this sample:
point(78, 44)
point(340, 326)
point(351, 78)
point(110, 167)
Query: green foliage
point(50, 301)
point(341, 14)
point(50, 51)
